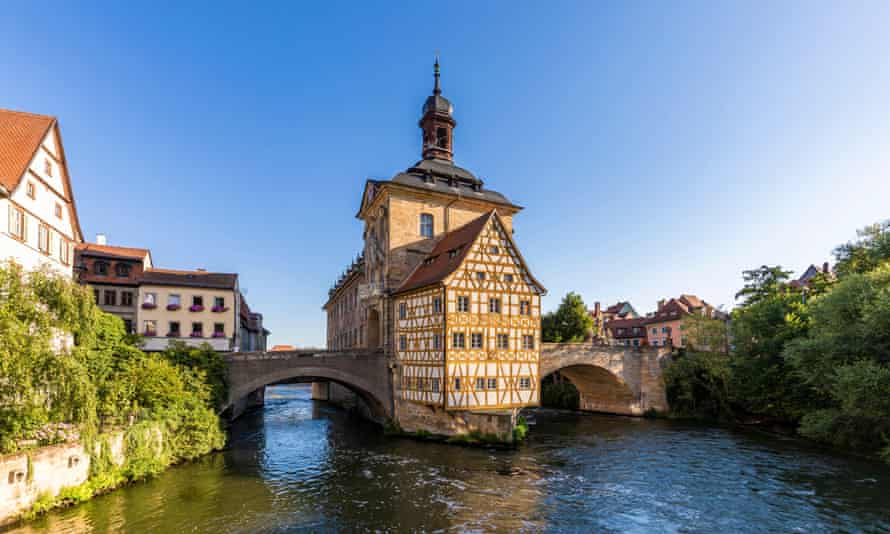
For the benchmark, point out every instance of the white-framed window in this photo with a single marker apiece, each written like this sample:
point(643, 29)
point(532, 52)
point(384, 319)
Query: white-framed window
point(494, 305)
point(31, 191)
point(503, 341)
point(403, 342)
point(64, 251)
point(458, 340)
point(463, 303)
point(654, 331)
point(43, 238)
point(492, 383)
point(508, 278)
point(437, 305)
point(480, 275)
point(636, 343)
point(437, 341)
point(525, 382)
point(480, 383)
point(528, 342)
point(58, 211)
point(426, 225)
point(476, 340)
point(17, 223)
point(435, 385)
point(174, 300)
point(150, 298)
point(403, 310)
point(664, 330)
point(457, 384)
point(525, 307)
point(493, 249)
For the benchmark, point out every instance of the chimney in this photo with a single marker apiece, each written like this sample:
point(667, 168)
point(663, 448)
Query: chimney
point(101, 239)
point(596, 308)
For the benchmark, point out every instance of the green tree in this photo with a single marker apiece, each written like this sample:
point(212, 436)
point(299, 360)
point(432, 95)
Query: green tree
point(866, 253)
point(569, 323)
point(704, 334)
point(697, 385)
point(762, 283)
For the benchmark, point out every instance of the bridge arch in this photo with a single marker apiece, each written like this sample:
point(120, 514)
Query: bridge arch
point(366, 374)
point(600, 389)
point(619, 380)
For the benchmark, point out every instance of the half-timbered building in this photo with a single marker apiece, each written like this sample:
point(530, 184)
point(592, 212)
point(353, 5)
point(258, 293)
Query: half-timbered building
point(468, 323)
point(38, 220)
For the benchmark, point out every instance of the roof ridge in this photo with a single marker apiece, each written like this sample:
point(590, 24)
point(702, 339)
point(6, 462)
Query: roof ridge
point(28, 113)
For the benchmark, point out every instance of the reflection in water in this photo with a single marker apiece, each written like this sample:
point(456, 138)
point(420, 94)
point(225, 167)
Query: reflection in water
point(300, 465)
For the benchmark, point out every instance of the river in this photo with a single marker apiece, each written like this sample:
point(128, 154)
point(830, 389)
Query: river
point(300, 465)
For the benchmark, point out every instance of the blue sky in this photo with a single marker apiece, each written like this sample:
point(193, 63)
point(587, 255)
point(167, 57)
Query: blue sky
point(658, 148)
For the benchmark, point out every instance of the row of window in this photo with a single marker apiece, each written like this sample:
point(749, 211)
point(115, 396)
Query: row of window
point(121, 270)
point(174, 301)
point(481, 275)
point(348, 339)
point(18, 228)
point(109, 297)
point(150, 328)
point(463, 306)
point(482, 383)
point(477, 341)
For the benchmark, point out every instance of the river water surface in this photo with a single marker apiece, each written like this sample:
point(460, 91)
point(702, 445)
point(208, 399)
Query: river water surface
point(299, 465)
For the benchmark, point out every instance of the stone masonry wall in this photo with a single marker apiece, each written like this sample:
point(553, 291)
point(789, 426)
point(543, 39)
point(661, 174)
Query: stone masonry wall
point(49, 471)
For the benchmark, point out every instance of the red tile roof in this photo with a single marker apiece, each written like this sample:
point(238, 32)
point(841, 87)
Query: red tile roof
point(20, 137)
point(109, 250)
point(170, 277)
point(442, 261)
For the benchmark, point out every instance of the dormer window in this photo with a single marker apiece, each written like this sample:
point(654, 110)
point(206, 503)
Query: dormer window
point(122, 270)
point(426, 225)
point(477, 187)
point(428, 178)
point(454, 252)
point(100, 268)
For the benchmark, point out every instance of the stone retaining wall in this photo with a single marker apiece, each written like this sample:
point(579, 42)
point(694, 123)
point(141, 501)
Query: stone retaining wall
point(49, 470)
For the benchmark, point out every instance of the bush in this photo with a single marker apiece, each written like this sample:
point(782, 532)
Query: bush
point(563, 395)
point(696, 385)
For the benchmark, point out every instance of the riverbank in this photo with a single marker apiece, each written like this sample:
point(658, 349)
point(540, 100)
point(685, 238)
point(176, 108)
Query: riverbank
point(57, 476)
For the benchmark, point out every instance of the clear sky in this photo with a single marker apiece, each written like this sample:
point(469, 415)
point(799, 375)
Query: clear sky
point(658, 148)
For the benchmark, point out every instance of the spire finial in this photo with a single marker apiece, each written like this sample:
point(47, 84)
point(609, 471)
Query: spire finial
point(436, 90)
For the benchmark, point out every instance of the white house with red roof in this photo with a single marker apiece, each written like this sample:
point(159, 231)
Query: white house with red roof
point(38, 218)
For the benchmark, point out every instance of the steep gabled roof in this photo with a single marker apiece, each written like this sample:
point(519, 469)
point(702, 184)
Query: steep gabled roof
point(20, 137)
point(451, 251)
point(447, 255)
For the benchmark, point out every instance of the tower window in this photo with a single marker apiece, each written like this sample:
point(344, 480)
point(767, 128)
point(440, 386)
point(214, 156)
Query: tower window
point(426, 225)
point(442, 137)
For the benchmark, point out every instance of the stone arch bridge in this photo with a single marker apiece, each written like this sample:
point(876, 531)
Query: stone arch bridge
point(618, 380)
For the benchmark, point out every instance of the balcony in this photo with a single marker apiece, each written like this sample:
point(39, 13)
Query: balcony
point(369, 291)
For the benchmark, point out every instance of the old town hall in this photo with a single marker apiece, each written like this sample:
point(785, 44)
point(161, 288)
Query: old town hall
point(441, 285)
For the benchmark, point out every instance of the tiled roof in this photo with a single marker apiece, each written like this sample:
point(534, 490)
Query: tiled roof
point(109, 250)
point(628, 326)
point(170, 277)
point(692, 301)
point(20, 137)
point(441, 261)
point(671, 311)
